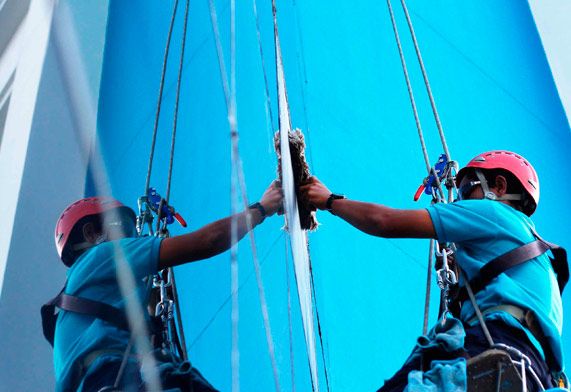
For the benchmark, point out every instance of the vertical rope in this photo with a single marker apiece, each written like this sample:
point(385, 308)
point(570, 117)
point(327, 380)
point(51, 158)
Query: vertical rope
point(428, 287)
point(160, 99)
point(238, 182)
point(426, 81)
point(429, 167)
point(235, 202)
point(177, 101)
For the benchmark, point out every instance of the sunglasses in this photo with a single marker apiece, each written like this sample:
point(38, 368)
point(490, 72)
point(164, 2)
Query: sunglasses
point(466, 190)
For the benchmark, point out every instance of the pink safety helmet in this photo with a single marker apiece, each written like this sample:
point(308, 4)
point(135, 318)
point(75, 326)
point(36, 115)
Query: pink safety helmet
point(511, 162)
point(81, 209)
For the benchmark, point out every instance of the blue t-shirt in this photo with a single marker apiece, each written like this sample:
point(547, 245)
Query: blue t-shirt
point(94, 276)
point(483, 230)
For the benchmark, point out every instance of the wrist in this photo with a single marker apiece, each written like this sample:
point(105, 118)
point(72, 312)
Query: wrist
point(258, 206)
point(332, 197)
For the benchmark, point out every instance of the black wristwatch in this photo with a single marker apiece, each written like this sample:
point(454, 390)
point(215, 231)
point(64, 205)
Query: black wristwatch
point(260, 208)
point(333, 196)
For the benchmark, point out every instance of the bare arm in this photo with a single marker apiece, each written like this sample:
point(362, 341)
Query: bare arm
point(215, 237)
point(374, 219)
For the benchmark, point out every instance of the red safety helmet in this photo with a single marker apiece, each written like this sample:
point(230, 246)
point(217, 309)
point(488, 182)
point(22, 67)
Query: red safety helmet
point(513, 163)
point(81, 209)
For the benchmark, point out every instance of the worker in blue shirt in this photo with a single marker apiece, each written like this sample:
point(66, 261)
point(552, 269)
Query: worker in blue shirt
point(520, 302)
point(109, 278)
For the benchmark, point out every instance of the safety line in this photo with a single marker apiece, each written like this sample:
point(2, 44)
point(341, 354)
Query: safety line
point(428, 288)
point(429, 167)
point(177, 101)
point(179, 332)
point(160, 99)
point(238, 180)
point(426, 81)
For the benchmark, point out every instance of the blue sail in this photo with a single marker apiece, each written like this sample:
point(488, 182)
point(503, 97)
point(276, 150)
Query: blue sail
point(346, 90)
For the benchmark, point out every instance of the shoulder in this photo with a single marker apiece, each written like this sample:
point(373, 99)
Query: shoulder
point(467, 220)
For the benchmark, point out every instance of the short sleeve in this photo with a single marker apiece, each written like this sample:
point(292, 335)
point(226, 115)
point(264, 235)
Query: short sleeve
point(464, 221)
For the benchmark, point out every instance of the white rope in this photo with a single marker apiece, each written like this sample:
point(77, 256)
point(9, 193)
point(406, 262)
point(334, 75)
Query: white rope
point(429, 168)
point(426, 82)
point(238, 181)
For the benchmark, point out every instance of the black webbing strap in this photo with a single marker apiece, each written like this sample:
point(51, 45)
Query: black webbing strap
point(85, 306)
point(515, 257)
point(497, 266)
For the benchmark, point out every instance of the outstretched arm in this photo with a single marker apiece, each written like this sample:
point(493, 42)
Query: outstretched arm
point(215, 237)
point(374, 219)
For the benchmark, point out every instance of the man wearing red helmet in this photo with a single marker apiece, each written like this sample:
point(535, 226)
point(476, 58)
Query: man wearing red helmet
point(516, 286)
point(96, 239)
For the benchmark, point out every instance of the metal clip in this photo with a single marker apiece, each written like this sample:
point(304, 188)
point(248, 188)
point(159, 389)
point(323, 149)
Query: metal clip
point(151, 203)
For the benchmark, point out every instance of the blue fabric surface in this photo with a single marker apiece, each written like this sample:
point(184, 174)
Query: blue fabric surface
point(94, 276)
point(444, 376)
point(484, 230)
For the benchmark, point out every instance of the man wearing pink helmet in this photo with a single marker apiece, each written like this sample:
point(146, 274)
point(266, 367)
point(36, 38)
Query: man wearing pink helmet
point(96, 238)
point(516, 285)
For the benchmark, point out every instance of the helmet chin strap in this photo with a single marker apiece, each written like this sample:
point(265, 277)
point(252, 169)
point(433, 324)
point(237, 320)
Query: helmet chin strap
point(488, 194)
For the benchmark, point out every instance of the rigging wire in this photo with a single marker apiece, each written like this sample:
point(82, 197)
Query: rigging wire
point(302, 72)
point(319, 330)
point(238, 178)
point(270, 124)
